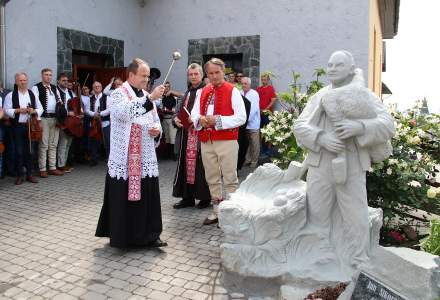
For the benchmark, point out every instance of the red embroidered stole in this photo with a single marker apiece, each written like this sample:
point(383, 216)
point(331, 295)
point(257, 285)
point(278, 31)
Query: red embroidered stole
point(134, 159)
point(191, 151)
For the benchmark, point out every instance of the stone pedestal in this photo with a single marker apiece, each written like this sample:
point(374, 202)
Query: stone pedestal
point(267, 238)
point(267, 235)
point(413, 274)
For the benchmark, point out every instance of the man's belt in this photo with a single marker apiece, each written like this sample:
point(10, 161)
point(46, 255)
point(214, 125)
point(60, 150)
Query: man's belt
point(48, 115)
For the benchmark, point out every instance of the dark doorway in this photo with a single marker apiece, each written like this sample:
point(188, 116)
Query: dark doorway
point(233, 62)
point(89, 67)
point(89, 58)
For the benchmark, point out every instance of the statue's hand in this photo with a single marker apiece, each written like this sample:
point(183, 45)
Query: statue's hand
point(347, 128)
point(331, 143)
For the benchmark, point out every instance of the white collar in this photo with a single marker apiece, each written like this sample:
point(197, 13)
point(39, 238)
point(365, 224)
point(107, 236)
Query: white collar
point(65, 90)
point(131, 91)
point(21, 93)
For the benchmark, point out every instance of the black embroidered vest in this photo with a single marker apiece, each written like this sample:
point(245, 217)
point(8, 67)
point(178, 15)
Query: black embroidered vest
point(63, 95)
point(43, 95)
point(16, 104)
point(102, 105)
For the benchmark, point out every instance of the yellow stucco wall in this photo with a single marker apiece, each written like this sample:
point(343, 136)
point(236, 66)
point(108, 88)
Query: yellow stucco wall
point(375, 49)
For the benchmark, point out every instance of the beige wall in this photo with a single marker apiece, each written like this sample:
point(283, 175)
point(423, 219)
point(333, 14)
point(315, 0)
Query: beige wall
point(375, 49)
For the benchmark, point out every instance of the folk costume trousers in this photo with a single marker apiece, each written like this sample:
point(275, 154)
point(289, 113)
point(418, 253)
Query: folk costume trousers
point(220, 160)
point(48, 144)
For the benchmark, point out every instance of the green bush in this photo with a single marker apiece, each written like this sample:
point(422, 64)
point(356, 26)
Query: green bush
point(431, 243)
point(407, 179)
point(279, 132)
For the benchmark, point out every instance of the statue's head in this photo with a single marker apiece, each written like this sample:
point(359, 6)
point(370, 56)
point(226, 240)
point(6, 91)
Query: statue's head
point(341, 68)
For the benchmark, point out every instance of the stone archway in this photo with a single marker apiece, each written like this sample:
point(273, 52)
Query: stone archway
point(69, 40)
point(248, 46)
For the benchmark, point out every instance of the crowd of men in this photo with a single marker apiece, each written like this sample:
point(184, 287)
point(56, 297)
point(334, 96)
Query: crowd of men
point(196, 177)
point(47, 148)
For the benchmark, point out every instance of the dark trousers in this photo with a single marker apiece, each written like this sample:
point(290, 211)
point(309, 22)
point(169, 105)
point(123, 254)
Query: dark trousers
point(106, 139)
point(85, 140)
point(9, 155)
point(23, 155)
point(94, 149)
point(264, 120)
point(2, 140)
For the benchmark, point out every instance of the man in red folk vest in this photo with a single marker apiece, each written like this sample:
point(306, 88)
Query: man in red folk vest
point(217, 114)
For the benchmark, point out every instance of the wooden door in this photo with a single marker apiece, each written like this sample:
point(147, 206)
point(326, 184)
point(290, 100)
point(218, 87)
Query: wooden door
point(105, 75)
point(84, 74)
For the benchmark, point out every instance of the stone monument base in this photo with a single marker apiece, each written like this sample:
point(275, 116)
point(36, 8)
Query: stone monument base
point(270, 250)
point(415, 275)
point(267, 234)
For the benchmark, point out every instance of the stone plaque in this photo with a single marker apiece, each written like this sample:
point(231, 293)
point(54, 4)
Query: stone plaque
point(369, 288)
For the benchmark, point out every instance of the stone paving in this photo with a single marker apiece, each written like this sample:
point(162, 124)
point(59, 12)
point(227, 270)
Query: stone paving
point(48, 249)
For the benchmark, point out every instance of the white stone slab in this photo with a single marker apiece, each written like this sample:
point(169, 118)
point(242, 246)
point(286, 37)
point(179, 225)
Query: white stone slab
point(266, 234)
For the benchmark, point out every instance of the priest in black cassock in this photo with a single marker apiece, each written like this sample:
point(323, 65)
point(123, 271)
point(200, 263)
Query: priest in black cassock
point(189, 182)
point(131, 213)
point(243, 141)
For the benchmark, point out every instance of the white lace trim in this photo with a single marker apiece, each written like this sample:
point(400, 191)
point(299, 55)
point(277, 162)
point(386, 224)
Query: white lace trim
point(123, 113)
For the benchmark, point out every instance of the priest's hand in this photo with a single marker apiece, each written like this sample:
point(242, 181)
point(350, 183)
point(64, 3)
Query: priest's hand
point(347, 128)
point(157, 92)
point(178, 122)
point(154, 131)
point(330, 143)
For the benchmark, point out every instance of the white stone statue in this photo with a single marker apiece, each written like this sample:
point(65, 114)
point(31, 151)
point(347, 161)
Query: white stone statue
point(340, 127)
point(277, 225)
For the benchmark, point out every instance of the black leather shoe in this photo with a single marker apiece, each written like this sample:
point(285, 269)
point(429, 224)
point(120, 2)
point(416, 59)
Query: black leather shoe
point(203, 204)
point(157, 244)
point(183, 204)
point(210, 221)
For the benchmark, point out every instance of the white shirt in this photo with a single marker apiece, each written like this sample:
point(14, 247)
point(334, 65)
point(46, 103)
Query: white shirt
point(24, 101)
point(158, 103)
point(226, 122)
point(108, 89)
point(85, 100)
point(88, 105)
point(51, 99)
point(254, 114)
point(103, 113)
point(66, 92)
